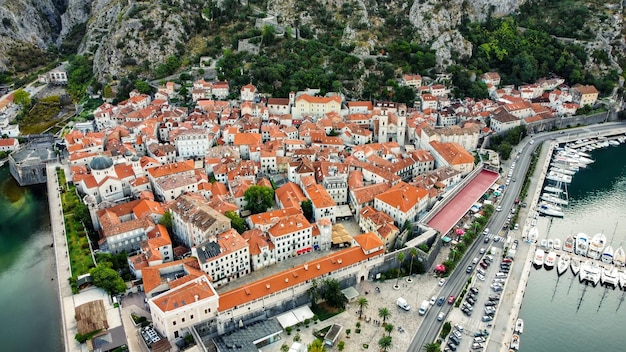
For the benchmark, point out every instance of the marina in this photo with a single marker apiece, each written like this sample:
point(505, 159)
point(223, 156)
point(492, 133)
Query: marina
point(594, 207)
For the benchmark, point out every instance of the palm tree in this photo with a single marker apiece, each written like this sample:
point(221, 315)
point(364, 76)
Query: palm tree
point(384, 343)
point(389, 328)
point(400, 258)
point(432, 347)
point(413, 254)
point(384, 313)
point(362, 302)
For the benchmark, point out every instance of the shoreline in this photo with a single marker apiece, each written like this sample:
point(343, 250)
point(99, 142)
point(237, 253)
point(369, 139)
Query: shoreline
point(536, 186)
point(62, 265)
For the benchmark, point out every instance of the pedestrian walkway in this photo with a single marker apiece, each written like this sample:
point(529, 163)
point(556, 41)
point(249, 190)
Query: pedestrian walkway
point(64, 271)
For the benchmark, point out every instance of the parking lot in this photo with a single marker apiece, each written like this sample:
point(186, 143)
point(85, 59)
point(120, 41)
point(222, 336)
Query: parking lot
point(473, 321)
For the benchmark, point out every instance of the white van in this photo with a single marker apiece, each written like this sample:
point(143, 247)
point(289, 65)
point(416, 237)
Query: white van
point(501, 275)
point(402, 303)
point(475, 261)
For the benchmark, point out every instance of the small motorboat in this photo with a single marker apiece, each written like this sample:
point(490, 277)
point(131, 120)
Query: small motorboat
point(575, 266)
point(607, 255)
point(515, 342)
point(539, 258)
point(556, 244)
point(563, 264)
point(550, 261)
point(519, 326)
point(568, 245)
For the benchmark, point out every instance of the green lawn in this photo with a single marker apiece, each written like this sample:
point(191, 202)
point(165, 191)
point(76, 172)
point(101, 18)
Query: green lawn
point(77, 242)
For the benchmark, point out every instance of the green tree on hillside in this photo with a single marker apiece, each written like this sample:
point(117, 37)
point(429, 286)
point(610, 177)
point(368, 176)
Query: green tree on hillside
point(22, 98)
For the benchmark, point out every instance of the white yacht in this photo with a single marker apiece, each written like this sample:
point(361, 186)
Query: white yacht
point(596, 246)
point(610, 277)
point(563, 264)
point(582, 244)
point(590, 272)
point(575, 266)
point(558, 177)
point(550, 210)
point(551, 198)
point(619, 257)
point(553, 189)
point(568, 245)
point(539, 258)
point(550, 243)
point(562, 170)
point(544, 243)
point(550, 261)
point(607, 255)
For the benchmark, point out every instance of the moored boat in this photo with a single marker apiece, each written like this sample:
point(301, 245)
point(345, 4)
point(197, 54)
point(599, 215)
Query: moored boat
point(533, 234)
point(550, 210)
point(607, 255)
point(596, 246)
point(619, 257)
point(610, 277)
point(519, 326)
point(622, 279)
point(563, 264)
point(553, 199)
point(558, 177)
point(568, 245)
point(556, 244)
point(515, 342)
point(544, 243)
point(550, 243)
point(550, 261)
point(551, 189)
point(575, 266)
point(581, 244)
point(539, 258)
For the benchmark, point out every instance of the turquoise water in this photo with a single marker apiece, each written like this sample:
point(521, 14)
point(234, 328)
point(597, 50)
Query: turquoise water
point(29, 305)
point(560, 314)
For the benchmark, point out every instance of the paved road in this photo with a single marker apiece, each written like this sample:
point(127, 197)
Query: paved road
point(429, 329)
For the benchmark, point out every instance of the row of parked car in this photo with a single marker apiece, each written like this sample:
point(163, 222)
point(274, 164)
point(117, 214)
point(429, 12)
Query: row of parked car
point(456, 335)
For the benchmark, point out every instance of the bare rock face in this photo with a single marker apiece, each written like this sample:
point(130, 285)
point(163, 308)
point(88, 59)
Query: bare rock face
point(77, 12)
point(28, 22)
point(437, 21)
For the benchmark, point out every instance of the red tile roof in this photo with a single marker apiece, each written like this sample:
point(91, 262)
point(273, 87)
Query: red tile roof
point(303, 273)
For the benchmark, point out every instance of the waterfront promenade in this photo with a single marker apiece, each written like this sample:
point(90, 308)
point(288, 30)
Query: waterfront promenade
point(64, 270)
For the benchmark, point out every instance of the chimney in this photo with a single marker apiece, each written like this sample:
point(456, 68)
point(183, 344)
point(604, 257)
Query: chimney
point(196, 297)
point(267, 286)
point(306, 267)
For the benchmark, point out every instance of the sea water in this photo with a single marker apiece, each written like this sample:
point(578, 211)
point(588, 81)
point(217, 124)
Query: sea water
point(560, 313)
point(29, 304)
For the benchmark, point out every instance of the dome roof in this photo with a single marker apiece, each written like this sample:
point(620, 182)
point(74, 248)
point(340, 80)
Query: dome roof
point(128, 153)
point(134, 158)
point(101, 163)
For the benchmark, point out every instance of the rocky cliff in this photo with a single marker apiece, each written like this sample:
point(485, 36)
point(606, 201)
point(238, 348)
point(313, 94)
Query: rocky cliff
point(125, 36)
